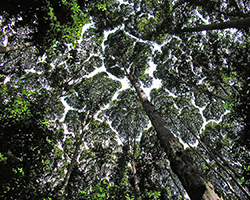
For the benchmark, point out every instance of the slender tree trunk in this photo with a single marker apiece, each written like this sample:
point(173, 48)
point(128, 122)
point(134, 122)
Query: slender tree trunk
point(137, 188)
point(181, 163)
point(175, 182)
point(213, 151)
point(73, 161)
point(13, 48)
point(217, 172)
point(219, 163)
point(239, 24)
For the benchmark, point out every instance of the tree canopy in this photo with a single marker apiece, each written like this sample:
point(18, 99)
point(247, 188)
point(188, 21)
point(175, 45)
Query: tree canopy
point(81, 115)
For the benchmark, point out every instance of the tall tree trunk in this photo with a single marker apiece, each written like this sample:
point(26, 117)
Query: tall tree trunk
point(13, 48)
point(216, 171)
point(219, 163)
point(175, 182)
point(136, 181)
point(137, 188)
point(239, 24)
point(181, 163)
point(173, 178)
point(73, 161)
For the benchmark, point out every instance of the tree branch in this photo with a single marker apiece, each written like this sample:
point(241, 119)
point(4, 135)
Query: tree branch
point(239, 24)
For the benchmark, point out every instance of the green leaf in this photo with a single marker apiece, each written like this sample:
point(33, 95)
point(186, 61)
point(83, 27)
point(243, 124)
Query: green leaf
point(103, 195)
point(242, 180)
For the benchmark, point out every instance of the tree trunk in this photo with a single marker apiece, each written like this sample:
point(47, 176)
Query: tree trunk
point(173, 178)
point(219, 163)
point(13, 48)
point(137, 188)
point(216, 171)
point(136, 181)
point(181, 163)
point(239, 24)
point(73, 161)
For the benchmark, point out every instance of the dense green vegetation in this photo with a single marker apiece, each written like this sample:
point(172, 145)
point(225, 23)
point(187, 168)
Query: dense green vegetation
point(71, 129)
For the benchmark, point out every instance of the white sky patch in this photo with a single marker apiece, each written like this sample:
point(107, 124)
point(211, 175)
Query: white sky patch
point(123, 2)
point(205, 20)
point(205, 121)
point(156, 82)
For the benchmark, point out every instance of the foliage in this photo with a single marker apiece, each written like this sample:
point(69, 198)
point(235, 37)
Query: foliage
point(48, 21)
point(46, 101)
point(27, 142)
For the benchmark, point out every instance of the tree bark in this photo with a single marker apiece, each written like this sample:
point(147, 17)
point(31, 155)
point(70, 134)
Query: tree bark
point(239, 24)
point(73, 161)
point(181, 163)
point(216, 171)
point(173, 178)
point(219, 163)
point(137, 188)
point(13, 48)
